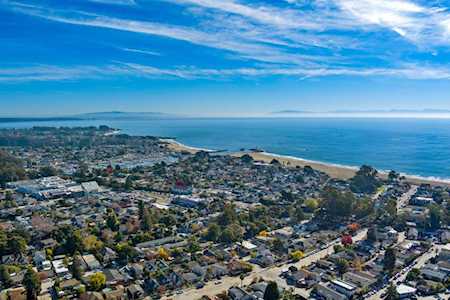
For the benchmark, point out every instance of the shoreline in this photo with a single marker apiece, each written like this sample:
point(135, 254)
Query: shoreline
point(336, 171)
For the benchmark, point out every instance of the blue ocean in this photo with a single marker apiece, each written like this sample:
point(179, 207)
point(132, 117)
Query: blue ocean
point(412, 146)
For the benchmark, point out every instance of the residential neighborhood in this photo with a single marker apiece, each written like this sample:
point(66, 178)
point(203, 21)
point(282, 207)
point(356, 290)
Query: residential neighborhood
point(90, 213)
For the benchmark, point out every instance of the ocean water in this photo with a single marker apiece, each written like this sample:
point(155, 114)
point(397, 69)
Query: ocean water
point(412, 146)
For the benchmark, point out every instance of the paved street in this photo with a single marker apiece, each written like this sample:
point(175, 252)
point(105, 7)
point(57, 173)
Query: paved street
point(272, 274)
point(418, 263)
point(404, 199)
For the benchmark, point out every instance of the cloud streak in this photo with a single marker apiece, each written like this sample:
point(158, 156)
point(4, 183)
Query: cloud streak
point(132, 70)
point(304, 39)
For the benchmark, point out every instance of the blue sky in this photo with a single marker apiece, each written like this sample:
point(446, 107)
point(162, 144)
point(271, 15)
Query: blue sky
point(223, 57)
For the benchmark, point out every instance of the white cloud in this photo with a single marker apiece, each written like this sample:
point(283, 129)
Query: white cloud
point(115, 2)
point(131, 70)
point(417, 23)
point(152, 53)
point(329, 38)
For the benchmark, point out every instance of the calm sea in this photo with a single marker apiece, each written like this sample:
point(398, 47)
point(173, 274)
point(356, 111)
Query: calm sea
point(413, 146)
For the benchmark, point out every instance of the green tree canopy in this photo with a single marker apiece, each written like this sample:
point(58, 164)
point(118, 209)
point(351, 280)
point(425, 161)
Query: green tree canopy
point(32, 284)
point(365, 181)
point(272, 292)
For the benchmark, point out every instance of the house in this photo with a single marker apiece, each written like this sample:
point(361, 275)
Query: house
point(444, 254)
point(90, 187)
point(39, 257)
point(387, 235)
point(114, 294)
point(48, 243)
point(444, 266)
point(215, 271)
point(159, 242)
point(413, 233)
point(405, 291)
point(245, 248)
point(283, 233)
point(136, 270)
point(362, 279)
point(59, 267)
point(190, 277)
point(445, 236)
point(328, 293)
point(134, 291)
point(236, 293)
point(264, 258)
point(189, 202)
point(91, 262)
point(434, 274)
point(346, 288)
point(68, 287)
point(109, 255)
point(17, 293)
point(421, 201)
point(114, 277)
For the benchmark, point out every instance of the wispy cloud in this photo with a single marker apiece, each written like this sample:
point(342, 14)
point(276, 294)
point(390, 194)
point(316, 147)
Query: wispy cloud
point(415, 22)
point(133, 70)
point(115, 2)
point(146, 52)
point(314, 38)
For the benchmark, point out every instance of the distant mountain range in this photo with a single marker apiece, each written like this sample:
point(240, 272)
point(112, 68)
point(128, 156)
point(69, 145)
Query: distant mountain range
point(119, 115)
point(113, 115)
point(362, 112)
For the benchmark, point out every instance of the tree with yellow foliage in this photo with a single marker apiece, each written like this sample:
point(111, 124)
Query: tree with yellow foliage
point(358, 264)
point(297, 255)
point(97, 281)
point(163, 254)
point(91, 243)
point(264, 233)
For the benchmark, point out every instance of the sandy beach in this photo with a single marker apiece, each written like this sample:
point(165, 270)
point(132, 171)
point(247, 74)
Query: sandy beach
point(333, 170)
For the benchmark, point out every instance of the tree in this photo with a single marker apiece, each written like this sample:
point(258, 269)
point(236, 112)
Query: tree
point(111, 221)
point(365, 181)
point(3, 242)
point(228, 216)
point(393, 176)
point(391, 293)
point(32, 284)
point(126, 252)
point(435, 216)
point(11, 168)
point(141, 209)
point(342, 266)
point(146, 222)
point(213, 232)
point(77, 270)
point(91, 243)
point(163, 254)
point(389, 260)
point(311, 204)
point(73, 241)
point(246, 158)
point(4, 276)
point(298, 214)
point(346, 240)
point(17, 245)
point(372, 234)
point(337, 204)
point(297, 255)
point(97, 281)
point(272, 292)
point(413, 274)
point(48, 171)
point(129, 183)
